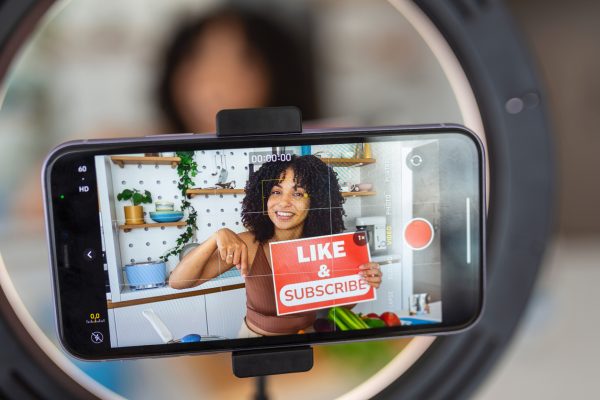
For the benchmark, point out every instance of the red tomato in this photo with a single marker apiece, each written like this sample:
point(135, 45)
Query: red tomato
point(390, 319)
point(372, 315)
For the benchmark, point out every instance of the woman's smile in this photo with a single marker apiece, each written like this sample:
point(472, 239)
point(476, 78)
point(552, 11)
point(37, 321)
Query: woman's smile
point(284, 215)
point(288, 204)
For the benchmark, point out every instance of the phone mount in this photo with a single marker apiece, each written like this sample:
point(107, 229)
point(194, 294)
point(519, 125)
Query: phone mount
point(265, 121)
point(259, 121)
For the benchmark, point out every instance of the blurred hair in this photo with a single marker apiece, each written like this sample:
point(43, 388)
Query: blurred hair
point(288, 62)
point(325, 216)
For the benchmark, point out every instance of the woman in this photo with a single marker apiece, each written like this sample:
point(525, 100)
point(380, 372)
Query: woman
point(233, 58)
point(284, 200)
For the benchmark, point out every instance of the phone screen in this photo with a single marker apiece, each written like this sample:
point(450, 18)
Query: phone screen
point(225, 244)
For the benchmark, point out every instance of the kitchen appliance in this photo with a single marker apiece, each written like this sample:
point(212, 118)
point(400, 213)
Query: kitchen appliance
point(376, 233)
point(146, 275)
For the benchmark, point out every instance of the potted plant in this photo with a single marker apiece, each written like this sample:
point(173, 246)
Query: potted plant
point(134, 214)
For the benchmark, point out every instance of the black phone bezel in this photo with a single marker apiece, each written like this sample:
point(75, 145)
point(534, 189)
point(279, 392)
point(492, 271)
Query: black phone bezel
point(182, 142)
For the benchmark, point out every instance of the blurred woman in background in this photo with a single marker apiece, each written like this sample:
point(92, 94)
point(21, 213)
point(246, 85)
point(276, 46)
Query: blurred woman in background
point(233, 58)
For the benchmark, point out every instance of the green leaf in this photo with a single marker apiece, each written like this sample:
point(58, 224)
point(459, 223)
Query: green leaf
point(125, 195)
point(138, 198)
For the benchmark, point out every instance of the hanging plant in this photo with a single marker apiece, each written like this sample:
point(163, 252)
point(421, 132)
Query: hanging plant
point(187, 169)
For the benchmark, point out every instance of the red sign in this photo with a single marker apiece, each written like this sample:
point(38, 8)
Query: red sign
point(320, 272)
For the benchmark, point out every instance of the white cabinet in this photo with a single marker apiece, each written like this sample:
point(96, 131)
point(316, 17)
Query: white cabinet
point(218, 314)
point(181, 316)
point(225, 312)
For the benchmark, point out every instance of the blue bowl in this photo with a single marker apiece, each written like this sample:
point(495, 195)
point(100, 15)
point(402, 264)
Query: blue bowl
point(146, 275)
point(166, 216)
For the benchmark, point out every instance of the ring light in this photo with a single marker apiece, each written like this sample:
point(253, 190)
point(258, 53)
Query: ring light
point(498, 93)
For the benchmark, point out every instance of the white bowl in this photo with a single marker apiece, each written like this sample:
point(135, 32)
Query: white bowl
point(164, 206)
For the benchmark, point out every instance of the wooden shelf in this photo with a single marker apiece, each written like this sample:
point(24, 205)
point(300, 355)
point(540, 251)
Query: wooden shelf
point(348, 162)
point(195, 192)
point(358, 194)
point(122, 160)
point(128, 228)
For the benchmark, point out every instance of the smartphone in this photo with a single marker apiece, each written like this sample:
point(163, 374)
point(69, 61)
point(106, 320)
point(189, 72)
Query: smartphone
point(189, 243)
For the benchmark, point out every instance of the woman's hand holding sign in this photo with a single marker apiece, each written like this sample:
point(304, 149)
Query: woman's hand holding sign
point(232, 249)
point(371, 274)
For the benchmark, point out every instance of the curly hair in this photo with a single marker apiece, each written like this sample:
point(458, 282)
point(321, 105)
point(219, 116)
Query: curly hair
point(325, 216)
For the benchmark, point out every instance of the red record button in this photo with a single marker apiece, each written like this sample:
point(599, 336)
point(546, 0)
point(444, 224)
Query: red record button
point(418, 234)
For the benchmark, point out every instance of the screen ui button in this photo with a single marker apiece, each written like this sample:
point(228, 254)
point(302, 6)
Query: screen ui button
point(97, 337)
point(89, 254)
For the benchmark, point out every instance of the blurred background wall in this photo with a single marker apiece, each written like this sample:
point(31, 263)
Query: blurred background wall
point(563, 37)
point(555, 350)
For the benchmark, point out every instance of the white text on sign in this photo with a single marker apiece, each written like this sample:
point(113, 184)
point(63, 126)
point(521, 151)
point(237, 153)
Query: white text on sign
point(321, 251)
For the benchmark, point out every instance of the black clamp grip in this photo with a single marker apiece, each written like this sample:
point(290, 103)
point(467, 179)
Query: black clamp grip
point(251, 363)
point(259, 121)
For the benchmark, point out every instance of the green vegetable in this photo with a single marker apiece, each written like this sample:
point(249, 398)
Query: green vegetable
point(356, 321)
point(332, 315)
point(375, 323)
point(345, 319)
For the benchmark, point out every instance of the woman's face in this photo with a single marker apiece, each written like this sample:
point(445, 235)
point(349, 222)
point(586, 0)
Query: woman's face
point(224, 71)
point(288, 203)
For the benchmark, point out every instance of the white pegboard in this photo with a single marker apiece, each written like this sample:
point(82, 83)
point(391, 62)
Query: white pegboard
point(220, 211)
point(161, 181)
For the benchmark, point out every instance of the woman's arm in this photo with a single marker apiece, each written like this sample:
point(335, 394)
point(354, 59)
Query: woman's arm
point(217, 254)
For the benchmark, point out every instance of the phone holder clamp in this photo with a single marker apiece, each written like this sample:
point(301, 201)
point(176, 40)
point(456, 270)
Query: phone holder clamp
point(265, 121)
point(253, 363)
point(259, 121)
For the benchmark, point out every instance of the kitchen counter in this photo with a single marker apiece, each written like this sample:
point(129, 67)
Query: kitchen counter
point(131, 297)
